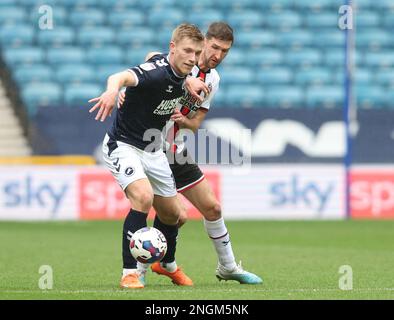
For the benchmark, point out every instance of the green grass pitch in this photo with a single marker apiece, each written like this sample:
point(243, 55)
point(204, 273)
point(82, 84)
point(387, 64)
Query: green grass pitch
point(296, 259)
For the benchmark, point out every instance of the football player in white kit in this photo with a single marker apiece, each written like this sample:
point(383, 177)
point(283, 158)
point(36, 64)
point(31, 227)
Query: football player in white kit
point(188, 177)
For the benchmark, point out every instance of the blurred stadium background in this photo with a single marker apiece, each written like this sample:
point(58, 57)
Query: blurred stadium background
point(321, 146)
point(284, 78)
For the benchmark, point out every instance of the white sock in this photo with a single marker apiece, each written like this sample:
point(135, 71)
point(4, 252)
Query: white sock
point(128, 271)
point(218, 233)
point(142, 267)
point(169, 266)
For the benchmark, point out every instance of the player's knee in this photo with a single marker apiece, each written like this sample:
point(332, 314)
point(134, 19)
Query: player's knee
point(214, 212)
point(182, 217)
point(141, 200)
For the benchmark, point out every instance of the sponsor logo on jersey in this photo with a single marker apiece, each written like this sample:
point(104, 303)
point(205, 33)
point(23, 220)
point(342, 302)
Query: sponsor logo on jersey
point(189, 101)
point(166, 107)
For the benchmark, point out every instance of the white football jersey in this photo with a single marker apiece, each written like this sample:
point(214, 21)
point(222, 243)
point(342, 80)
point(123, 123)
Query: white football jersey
point(188, 106)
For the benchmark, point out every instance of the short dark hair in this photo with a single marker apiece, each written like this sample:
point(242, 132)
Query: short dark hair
point(220, 30)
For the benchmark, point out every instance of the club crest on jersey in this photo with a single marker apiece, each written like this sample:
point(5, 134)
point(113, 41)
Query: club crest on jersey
point(166, 107)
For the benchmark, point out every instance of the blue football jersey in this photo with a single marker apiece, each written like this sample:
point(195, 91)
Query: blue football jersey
point(148, 105)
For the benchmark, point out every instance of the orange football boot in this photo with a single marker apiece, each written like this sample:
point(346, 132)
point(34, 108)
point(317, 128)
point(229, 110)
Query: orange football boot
point(178, 277)
point(131, 281)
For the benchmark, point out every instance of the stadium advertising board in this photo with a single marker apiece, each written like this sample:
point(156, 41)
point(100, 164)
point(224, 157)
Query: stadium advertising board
point(261, 192)
point(284, 192)
point(372, 193)
point(37, 193)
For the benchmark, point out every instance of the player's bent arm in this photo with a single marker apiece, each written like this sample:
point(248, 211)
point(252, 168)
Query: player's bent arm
point(121, 79)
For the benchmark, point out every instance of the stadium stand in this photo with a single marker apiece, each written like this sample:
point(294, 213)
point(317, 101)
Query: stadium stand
point(289, 53)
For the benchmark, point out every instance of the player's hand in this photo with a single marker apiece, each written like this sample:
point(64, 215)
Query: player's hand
point(178, 117)
point(105, 103)
point(195, 86)
point(121, 98)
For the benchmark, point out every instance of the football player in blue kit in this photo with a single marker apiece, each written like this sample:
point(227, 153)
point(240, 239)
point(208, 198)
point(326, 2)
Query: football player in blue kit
point(132, 149)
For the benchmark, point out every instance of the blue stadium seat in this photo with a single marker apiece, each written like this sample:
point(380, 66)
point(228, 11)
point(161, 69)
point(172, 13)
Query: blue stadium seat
point(8, 3)
point(135, 57)
point(12, 15)
point(366, 19)
point(115, 5)
point(384, 5)
point(126, 18)
point(329, 39)
point(274, 76)
point(86, 17)
point(235, 57)
point(163, 38)
point(364, 4)
point(65, 55)
point(322, 20)
point(16, 35)
point(313, 76)
point(373, 38)
point(24, 55)
point(246, 19)
point(363, 76)
point(219, 100)
point(244, 96)
point(265, 57)
point(274, 5)
point(39, 15)
point(255, 39)
point(388, 21)
point(42, 94)
point(56, 37)
point(95, 36)
point(80, 73)
point(284, 20)
point(325, 96)
point(234, 5)
point(79, 95)
point(370, 96)
point(319, 5)
point(104, 55)
point(379, 59)
point(135, 37)
point(197, 5)
point(236, 75)
point(154, 4)
point(77, 4)
point(336, 57)
point(284, 96)
point(166, 18)
point(32, 73)
point(294, 38)
point(203, 20)
point(384, 77)
point(36, 3)
point(303, 57)
point(103, 72)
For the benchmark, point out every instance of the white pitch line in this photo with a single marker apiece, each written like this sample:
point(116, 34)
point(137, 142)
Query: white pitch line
point(125, 291)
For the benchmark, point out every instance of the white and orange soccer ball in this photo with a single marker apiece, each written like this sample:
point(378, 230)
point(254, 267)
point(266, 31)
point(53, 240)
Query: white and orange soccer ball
point(148, 245)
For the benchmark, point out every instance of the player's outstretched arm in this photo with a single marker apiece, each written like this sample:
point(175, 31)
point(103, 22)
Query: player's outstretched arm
point(195, 86)
point(106, 102)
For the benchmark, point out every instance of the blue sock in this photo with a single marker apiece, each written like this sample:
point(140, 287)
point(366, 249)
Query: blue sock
point(171, 233)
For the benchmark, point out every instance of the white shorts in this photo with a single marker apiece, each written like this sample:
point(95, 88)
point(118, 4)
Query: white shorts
point(128, 164)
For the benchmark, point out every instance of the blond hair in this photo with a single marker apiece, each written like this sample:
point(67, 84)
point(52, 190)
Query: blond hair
point(187, 30)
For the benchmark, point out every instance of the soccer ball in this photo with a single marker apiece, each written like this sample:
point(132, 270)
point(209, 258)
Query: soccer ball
point(148, 245)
